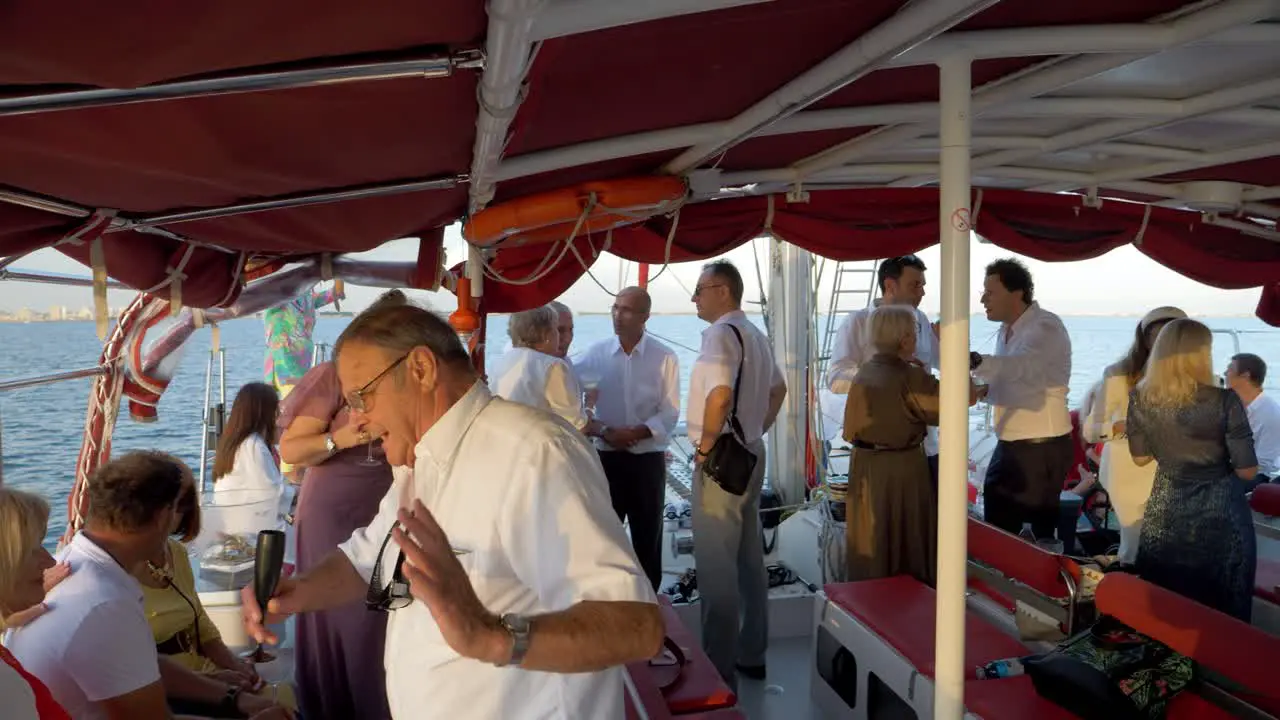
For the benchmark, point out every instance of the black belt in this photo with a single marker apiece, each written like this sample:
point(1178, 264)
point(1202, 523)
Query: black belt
point(882, 448)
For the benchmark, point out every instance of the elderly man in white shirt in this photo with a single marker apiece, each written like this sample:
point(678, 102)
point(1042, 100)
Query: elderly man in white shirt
point(901, 282)
point(727, 542)
point(511, 590)
point(1245, 375)
point(533, 373)
point(564, 329)
point(637, 405)
point(1027, 381)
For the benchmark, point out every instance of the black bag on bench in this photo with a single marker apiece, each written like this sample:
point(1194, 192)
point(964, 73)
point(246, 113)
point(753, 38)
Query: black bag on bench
point(1111, 672)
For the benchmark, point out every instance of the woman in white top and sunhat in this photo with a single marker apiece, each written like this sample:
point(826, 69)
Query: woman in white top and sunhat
point(1128, 485)
point(531, 373)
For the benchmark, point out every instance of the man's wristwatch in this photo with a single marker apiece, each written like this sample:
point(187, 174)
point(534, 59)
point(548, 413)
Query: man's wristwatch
point(518, 626)
point(329, 444)
point(975, 359)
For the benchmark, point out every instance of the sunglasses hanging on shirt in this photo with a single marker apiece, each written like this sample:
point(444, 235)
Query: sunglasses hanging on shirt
point(394, 595)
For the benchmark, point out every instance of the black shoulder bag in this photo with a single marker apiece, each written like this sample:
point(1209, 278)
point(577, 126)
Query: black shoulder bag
point(729, 463)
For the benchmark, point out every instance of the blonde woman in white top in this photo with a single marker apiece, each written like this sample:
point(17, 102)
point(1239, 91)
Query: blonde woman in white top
point(1128, 485)
point(532, 374)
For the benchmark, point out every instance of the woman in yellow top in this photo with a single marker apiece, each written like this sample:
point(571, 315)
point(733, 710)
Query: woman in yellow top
point(200, 673)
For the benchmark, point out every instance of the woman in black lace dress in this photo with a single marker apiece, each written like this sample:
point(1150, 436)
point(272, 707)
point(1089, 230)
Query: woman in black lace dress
point(1197, 538)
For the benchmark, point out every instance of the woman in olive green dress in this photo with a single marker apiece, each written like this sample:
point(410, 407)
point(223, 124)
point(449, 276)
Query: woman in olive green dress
point(891, 510)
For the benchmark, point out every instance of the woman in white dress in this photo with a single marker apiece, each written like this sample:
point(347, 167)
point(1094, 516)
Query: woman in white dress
point(246, 458)
point(1128, 485)
point(530, 373)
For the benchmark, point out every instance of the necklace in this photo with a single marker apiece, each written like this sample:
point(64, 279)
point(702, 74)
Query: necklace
point(163, 575)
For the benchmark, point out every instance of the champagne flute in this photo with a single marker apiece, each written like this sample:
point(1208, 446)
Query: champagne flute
point(268, 563)
point(369, 460)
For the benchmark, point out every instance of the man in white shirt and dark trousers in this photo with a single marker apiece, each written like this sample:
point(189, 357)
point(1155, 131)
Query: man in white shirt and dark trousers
point(1245, 375)
point(901, 282)
point(727, 542)
point(511, 589)
point(637, 406)
point(1027, 381)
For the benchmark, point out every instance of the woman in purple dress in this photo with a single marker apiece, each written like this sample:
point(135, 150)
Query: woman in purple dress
point(339, 665)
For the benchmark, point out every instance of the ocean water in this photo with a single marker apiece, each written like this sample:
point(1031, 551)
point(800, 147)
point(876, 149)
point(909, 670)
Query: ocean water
point(43, 426)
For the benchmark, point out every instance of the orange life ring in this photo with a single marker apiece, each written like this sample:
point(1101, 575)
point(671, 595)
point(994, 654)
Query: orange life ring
point(551, 216)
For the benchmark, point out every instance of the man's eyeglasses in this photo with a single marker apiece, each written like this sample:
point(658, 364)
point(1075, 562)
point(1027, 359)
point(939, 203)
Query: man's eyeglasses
point(355, 398)
point(394, 595)
point(698, 289)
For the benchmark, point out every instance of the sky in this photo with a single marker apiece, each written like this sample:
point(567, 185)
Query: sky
point(1122, 282)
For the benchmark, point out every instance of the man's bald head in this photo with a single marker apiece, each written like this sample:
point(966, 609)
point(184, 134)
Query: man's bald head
point(630, 312)
point(643, 302)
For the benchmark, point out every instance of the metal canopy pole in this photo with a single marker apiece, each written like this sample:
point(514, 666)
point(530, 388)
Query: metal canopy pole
point(432, 66)
point(955, 222)
point(52, 278)
point(291, 201)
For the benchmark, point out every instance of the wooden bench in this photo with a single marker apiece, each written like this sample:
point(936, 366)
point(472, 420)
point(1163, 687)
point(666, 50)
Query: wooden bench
point(700, 689)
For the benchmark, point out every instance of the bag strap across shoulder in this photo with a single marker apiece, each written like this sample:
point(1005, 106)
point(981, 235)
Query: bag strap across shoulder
point(734, 424)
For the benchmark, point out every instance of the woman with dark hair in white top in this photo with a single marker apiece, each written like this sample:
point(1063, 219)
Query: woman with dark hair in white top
point(246, 457)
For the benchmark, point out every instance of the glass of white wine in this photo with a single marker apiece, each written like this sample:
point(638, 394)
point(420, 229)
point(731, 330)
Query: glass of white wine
point(590, 391)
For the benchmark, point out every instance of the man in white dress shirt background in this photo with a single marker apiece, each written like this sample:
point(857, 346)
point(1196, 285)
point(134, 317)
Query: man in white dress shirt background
point(1027, 380)
point(511, 588)
point(1245, 375)
point(727, 542)
point(901, 281)
point(637, 406)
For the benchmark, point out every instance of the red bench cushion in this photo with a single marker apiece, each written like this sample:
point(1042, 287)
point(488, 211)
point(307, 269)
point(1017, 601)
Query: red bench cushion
point(1014, 698)
point(1265, 499)
point(1266, 580)
point(1019, 560)
point(700, 688)
point(901, 610)
point(1237, 650)
point(655, 706)
point(1189, 706)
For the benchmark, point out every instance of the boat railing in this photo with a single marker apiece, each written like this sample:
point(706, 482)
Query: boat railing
point(35, 381)
point(51, 378)
point(212, 416)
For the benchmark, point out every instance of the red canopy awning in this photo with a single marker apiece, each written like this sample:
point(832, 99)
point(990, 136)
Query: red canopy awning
point(853, 225)
point(1093, 100)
